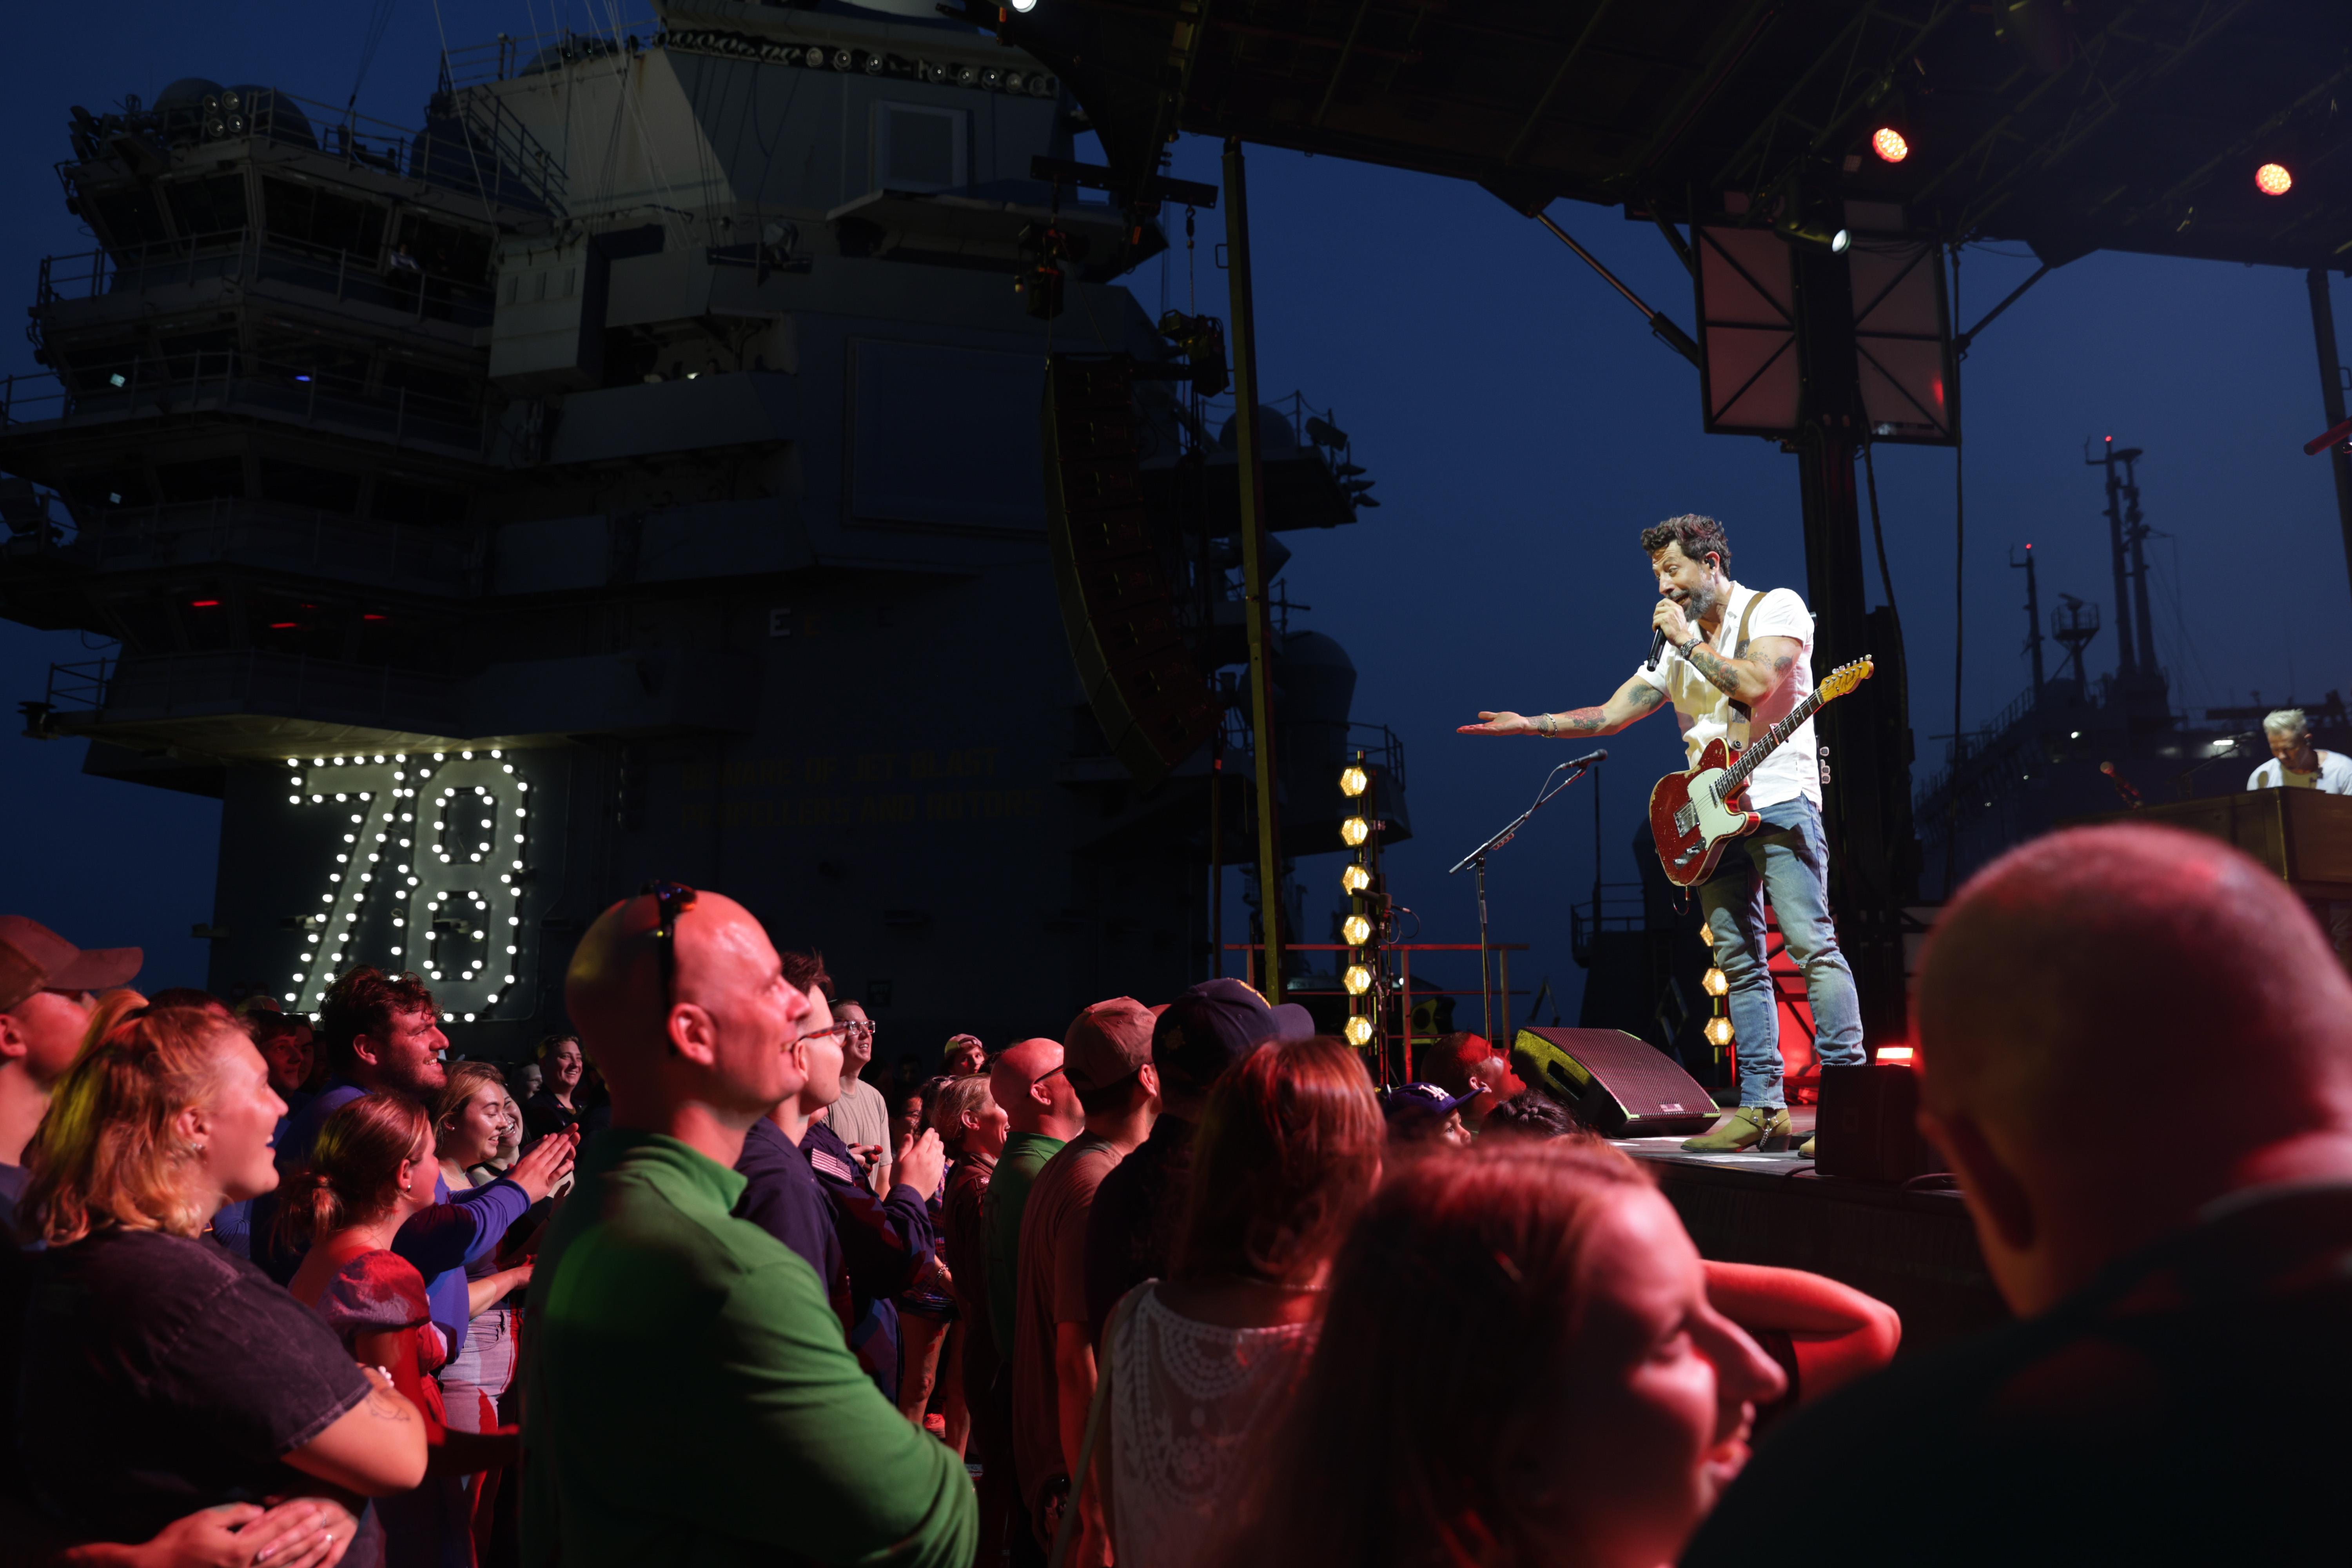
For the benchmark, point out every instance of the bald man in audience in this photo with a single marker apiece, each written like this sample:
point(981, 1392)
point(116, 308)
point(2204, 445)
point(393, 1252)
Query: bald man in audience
point(690, 1399)
point(2139, 1064)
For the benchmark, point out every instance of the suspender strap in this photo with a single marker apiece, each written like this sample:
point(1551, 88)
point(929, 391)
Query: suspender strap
point(1740, 650)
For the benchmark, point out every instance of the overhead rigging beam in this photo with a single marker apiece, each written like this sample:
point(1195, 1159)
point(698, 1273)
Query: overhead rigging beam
point(1661, 324)
point(1552, 89)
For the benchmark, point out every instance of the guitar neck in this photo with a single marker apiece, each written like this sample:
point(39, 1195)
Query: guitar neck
point(1737, 776)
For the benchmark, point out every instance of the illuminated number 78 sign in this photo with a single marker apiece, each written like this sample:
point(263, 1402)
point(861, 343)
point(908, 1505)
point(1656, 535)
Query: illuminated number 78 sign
point(442, 843)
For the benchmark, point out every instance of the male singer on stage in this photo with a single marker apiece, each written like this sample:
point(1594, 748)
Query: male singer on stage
point(1735, 662)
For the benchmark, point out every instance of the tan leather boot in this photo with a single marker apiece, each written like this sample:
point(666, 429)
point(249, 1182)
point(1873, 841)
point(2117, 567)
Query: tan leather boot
point(1742, 1128)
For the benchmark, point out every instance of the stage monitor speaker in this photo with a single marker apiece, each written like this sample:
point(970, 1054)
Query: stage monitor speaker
point(1868, 1128)
point(1119, 600)
point(1618, 1086)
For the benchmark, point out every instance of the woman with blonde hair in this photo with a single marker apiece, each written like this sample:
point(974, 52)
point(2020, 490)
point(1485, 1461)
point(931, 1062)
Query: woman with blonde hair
point(167, 1375)
point(472, 1116)
point(371, 1169)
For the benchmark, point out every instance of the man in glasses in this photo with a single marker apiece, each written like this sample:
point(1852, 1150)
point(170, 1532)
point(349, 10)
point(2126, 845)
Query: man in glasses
point(688, 1396)
point(861, 1117)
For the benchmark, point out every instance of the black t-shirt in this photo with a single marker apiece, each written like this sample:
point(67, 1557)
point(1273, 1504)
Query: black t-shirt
point(543, 1115)
point(160, 1375)
point(2188, 1406)
point(1131, 1231)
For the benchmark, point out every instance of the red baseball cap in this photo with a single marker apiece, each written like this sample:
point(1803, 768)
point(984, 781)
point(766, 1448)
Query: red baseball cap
point(65, 966)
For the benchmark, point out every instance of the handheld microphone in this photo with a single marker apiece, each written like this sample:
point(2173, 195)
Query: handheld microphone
point(1657, 646)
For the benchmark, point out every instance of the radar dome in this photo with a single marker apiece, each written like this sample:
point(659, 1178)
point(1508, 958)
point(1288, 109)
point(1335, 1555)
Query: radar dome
point(1274, 431)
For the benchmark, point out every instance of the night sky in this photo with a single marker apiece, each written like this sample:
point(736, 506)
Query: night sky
point(1522, 427)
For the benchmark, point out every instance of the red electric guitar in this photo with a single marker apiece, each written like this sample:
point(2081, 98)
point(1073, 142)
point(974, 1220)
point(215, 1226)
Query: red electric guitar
point(1694, 814)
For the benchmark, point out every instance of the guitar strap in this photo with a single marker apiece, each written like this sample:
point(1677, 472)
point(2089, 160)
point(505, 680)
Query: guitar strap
point(1741, 715)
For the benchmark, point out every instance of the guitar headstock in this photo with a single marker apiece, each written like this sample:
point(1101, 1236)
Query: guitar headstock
point(1845, 677)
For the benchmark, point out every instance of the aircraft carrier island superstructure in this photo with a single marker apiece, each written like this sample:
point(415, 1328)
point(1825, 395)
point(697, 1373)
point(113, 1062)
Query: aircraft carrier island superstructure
point(636, 471)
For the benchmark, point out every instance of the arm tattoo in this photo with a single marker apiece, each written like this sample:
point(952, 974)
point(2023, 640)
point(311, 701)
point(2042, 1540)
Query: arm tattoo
point(1710, 664)
point(1579, 721)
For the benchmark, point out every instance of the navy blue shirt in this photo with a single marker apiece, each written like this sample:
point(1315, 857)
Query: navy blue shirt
point(866, 1249)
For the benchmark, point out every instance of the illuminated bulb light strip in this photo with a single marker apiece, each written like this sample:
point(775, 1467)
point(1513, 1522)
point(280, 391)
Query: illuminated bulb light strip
point(360, 792)
point(467, 787)
point(382, 793)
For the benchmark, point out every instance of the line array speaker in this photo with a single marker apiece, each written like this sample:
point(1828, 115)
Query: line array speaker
point(1119, 605)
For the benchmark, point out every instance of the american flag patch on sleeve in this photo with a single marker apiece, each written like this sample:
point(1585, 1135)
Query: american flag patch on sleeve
point(834, 1165)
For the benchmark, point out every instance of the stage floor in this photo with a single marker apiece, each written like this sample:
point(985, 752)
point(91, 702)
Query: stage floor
point(1913, 1250)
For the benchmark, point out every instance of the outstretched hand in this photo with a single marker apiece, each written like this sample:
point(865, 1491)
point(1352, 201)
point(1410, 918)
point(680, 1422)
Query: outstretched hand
point(1503, 723)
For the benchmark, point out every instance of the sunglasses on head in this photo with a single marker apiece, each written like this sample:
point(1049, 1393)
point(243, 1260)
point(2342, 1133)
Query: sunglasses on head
point(671, 900)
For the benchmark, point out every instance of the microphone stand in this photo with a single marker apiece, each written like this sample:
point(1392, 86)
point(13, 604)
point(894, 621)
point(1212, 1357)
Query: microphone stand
point(1575, 768)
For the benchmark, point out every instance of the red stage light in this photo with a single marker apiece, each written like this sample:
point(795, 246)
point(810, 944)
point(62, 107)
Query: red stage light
point(283, 626)
point(1889, 144)
point(204, 604)
point(2273, 180)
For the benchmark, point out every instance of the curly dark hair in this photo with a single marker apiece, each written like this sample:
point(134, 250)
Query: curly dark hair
point(363, 1003)
point(1699, 537)
point(805, 971)
point(1528, 1114)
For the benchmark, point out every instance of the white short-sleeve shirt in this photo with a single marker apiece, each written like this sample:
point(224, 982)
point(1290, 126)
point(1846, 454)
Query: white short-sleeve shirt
point(2334, 777)
point(1705, 712)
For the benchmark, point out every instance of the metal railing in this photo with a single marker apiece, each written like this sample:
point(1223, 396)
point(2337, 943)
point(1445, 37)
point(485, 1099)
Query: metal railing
point(253, 255)
point(303, 539)
point(1617, 907)
point(229, 379)
point(288, 685)
point(80, 686)
point(479, 149)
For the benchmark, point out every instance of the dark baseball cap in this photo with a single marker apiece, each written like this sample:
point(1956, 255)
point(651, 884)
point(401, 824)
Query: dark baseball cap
point(1418, 1099)
point(67, 967)
point(1107, 1043)
point(1216, 1023)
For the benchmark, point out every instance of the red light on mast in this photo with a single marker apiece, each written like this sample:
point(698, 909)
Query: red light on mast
point(1889, 144)
point(2273, 180)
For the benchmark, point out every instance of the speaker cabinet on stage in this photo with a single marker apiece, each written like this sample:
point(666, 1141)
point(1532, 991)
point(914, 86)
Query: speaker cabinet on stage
point(1618, 1086)
point(1869, 1125)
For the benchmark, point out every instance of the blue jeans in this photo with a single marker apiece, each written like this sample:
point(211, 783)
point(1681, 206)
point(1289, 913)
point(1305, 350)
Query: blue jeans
point(1789, 857)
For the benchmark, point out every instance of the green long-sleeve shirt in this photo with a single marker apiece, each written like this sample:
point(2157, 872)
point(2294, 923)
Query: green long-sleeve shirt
point(689, 1398)
point(1024, 1155)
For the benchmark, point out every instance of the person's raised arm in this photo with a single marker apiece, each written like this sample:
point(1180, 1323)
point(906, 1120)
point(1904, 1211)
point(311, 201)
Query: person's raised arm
point(375, 1448)
point(1631, 701)
point(1839, 1334)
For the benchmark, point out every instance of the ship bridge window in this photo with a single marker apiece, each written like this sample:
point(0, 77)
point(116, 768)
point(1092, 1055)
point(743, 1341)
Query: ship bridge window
point(298, 484)
point(207, 621)
point(446, 388)
point(918, 147)
point(213, 204)
point(91, 491)
point(443, 249)
point(125, 219)
point(285, 625)
point(400, 500)
point(208, 478)
point(190, 355)
point(320, 220)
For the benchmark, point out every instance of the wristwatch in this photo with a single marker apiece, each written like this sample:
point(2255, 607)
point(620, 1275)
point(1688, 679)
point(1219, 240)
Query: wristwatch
point(1544, 724)
point(1685, 649)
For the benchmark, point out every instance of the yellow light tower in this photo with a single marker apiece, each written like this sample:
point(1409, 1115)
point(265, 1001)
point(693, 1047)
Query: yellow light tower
point(1365, 929)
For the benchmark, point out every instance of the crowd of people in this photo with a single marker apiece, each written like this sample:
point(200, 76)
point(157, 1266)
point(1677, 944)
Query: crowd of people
point(1178, 1286)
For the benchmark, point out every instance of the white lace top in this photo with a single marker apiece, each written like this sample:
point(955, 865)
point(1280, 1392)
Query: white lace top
point(1187, 1401)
